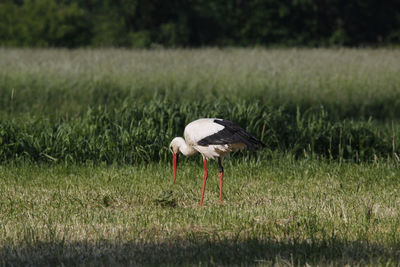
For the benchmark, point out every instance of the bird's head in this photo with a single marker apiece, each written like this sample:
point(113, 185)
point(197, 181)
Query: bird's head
point(174, 147)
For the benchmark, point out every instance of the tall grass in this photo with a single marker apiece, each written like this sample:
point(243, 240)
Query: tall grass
point(125, 106)
point(347, 82)
point(142, 133)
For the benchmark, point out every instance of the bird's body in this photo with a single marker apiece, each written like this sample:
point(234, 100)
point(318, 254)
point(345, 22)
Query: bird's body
point(212, 138)
point(196, 134)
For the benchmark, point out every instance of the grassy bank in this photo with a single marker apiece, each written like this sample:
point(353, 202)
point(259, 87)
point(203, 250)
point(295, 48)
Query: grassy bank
point(281, 211)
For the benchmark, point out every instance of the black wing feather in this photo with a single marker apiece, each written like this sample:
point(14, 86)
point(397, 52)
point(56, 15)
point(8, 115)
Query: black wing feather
point(231, 133)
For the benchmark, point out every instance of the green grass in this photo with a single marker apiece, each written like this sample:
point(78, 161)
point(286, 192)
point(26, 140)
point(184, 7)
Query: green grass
point(62, 83)
point(85, 175)
point(282, 211)
point(124, 106)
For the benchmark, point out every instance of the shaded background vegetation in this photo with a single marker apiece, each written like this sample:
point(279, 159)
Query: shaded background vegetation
point(116, 106)
point(141, 23)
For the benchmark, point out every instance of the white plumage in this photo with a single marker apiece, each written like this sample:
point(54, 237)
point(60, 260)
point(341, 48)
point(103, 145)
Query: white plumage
point(202, 128)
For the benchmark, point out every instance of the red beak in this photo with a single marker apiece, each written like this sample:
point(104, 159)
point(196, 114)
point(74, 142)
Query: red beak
point(175, 164)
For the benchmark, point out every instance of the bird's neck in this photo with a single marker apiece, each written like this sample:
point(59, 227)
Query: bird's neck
point(184, 148)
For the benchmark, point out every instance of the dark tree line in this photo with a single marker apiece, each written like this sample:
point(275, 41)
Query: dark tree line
point(192, 23)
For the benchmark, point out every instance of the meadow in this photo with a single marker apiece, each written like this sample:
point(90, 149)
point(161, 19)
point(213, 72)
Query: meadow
point(86, 175)
point(282, 211)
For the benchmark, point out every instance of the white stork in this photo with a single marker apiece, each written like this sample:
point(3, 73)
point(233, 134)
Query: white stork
point(212, 138)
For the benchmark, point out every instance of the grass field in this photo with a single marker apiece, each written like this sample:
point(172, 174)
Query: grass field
point(60, 83)
point(282, 211)
point(85, 174)
point(124, 106)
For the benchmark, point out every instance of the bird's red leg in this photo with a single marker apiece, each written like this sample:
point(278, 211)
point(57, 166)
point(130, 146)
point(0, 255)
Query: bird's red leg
point(204, 180)
point(221, 176)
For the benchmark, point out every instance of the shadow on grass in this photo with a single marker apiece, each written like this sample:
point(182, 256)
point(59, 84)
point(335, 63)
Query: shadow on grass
point(184, 252)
